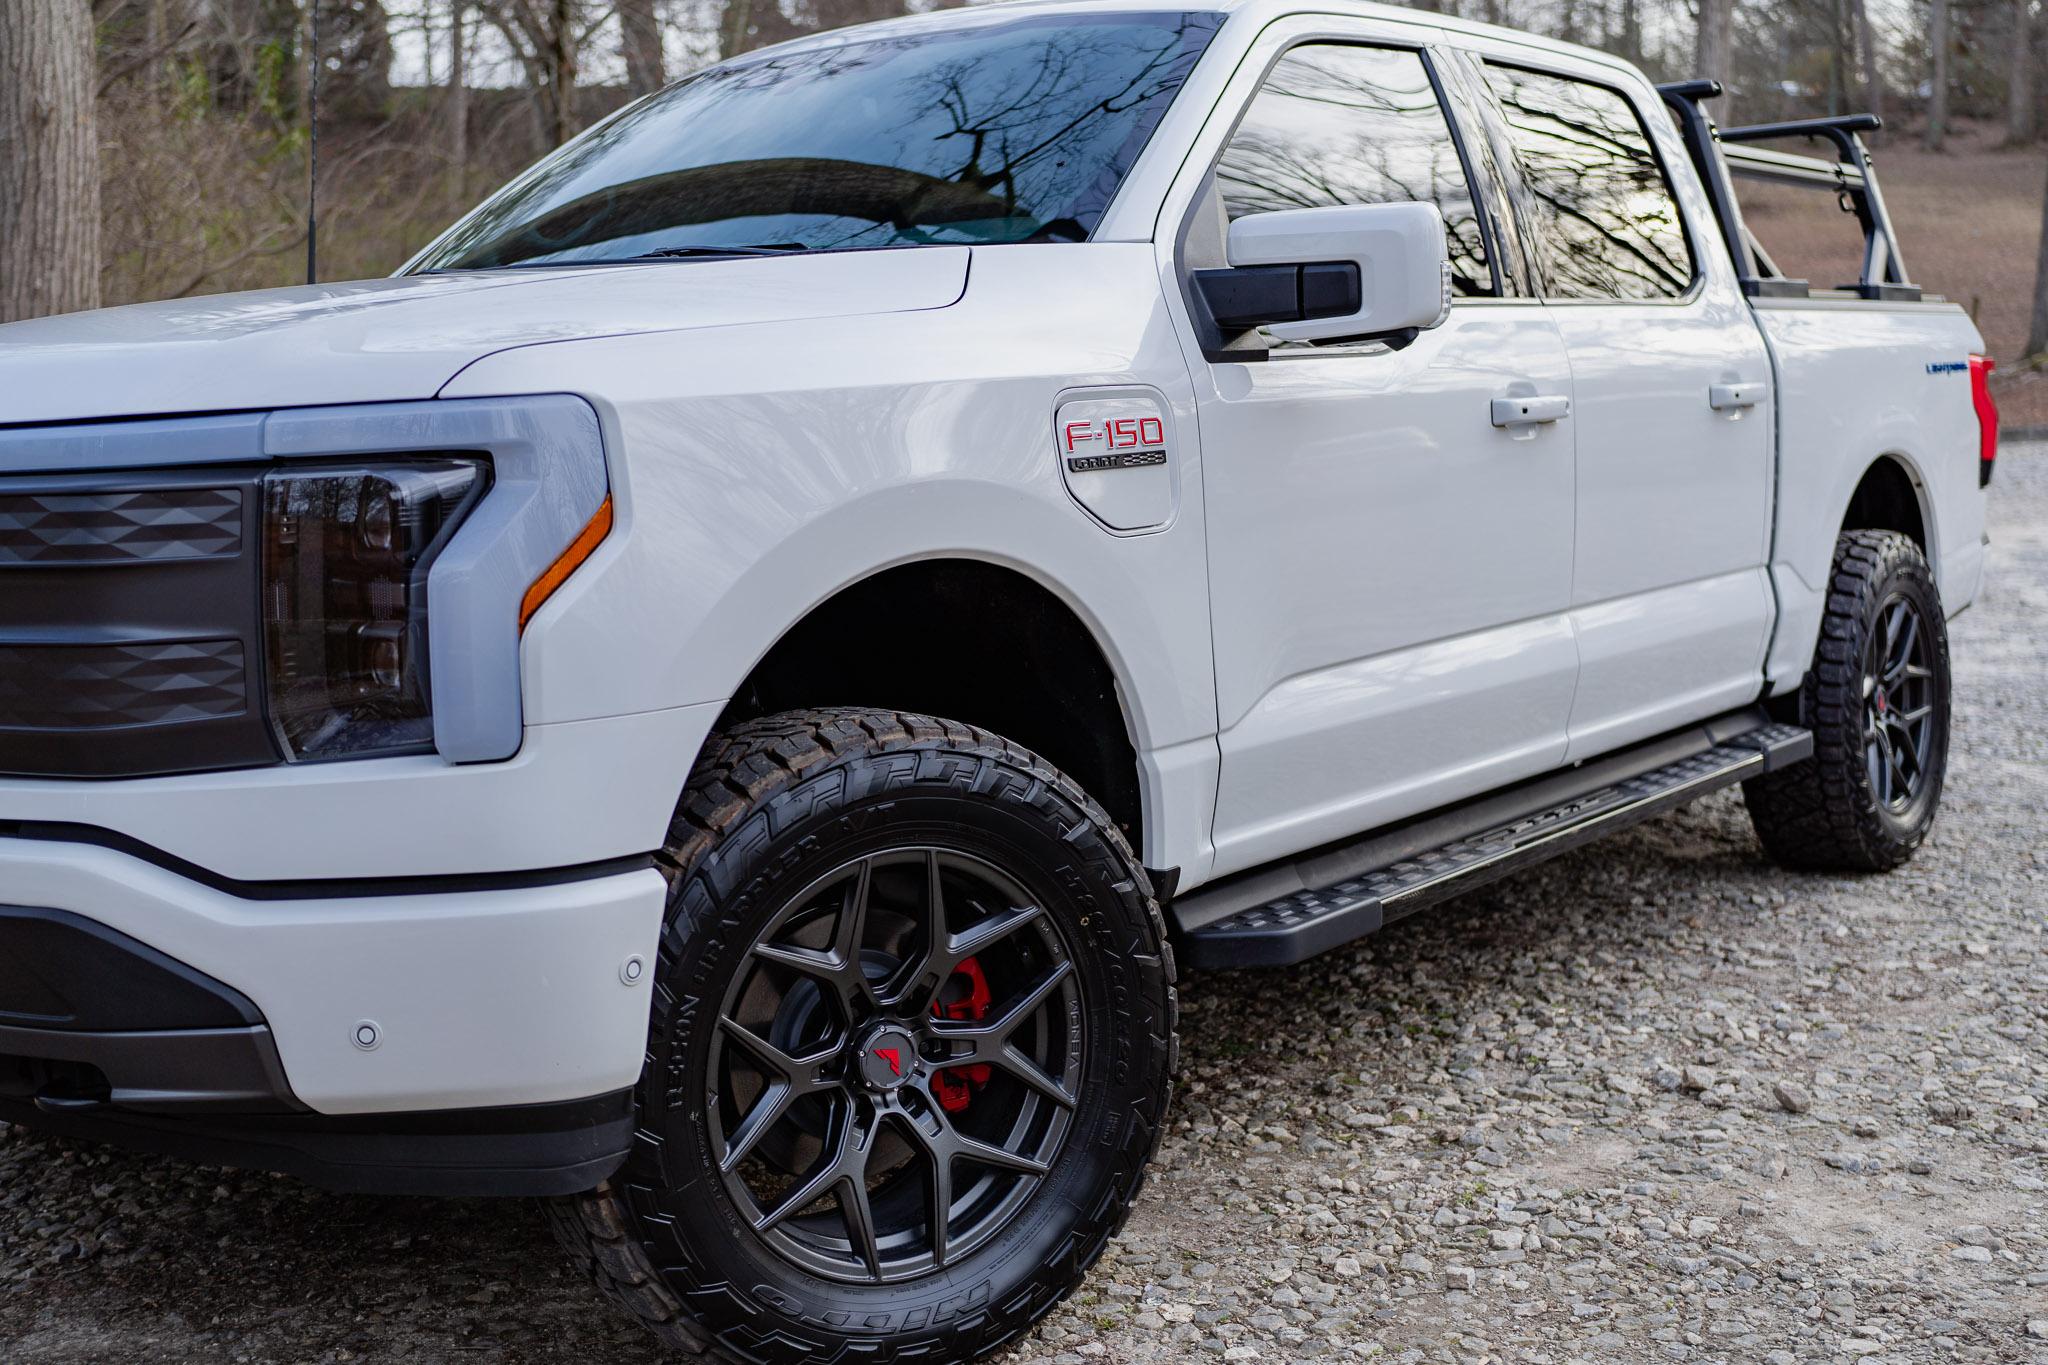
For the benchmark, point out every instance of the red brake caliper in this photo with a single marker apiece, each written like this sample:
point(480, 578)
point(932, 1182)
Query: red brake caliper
point(964, 999)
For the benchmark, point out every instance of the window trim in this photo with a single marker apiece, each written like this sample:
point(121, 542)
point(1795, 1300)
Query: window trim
point(1425, 46)
point(1519, 190)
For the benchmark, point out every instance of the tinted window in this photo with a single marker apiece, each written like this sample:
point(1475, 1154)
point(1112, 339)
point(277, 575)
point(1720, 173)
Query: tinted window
point(1009, 131)
point(1338, 124)
point(1605, 221)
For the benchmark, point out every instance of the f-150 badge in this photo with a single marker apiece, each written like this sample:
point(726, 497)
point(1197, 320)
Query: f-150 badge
point(1114, 443)
point(1115, 447)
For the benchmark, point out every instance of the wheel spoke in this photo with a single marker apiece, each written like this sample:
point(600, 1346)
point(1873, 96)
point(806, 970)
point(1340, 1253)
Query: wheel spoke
point(939, 1193)
point(1016, 1014)
point(990, 931)
point(1903, 642)
point(860, 1220)
point(847, 1161)
point(1905, 752)
point(972, 1149)
point(799, 1072)
point(810, 1192)
point(768, 1111)
point(840, 967)
point(1024, 1069)
point(1885, 765)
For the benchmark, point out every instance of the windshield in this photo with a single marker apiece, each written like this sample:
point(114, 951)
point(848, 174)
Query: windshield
point(1012, 131)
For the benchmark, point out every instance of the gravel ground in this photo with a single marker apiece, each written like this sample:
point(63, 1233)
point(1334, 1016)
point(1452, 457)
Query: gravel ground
point(1656, 1101)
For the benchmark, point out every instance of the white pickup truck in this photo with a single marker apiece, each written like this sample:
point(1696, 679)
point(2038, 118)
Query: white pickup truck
point(719, 694)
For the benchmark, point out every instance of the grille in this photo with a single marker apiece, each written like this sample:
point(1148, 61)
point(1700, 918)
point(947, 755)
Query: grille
point(94, 687)
point(116, 527)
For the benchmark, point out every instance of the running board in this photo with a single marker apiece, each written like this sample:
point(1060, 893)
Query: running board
point(1296, 927)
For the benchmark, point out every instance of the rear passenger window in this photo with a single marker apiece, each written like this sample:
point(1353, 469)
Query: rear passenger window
point(1605, 220)
point(1341, 124)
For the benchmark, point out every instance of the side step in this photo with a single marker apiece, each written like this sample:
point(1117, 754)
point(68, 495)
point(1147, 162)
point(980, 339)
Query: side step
point(1295, 927)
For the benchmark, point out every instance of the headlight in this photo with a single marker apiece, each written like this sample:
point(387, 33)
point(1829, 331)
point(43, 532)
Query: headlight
point(346, 553)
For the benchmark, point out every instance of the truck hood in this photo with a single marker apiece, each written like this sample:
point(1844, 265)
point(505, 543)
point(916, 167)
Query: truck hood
point(404, 338)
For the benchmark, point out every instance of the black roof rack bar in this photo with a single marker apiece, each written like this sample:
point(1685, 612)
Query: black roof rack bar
point(1841, 130)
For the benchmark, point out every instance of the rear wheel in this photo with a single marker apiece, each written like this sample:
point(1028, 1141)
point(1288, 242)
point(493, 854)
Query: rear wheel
point(910, 1051)
point(1877, 701)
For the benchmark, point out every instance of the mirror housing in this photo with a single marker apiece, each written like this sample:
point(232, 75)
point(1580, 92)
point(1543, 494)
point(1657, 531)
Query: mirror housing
point(1344, 272)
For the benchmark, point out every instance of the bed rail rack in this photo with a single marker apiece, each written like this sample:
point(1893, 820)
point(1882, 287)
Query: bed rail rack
point(1723, 155)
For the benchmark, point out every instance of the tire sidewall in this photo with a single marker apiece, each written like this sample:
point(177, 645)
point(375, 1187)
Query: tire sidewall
point(978, 803)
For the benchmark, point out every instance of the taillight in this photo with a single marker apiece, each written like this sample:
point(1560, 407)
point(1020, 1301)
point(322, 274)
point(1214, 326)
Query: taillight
point(1981, 367)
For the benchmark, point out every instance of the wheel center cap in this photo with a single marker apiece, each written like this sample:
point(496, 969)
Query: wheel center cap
point(888, 1058)
point(1883, 705)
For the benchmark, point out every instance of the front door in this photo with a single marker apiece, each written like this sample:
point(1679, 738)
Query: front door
point(1390, 573)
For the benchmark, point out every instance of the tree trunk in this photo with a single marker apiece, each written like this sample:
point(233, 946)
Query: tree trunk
point(1714, 56)
point(640, 44)
point(1937, 103)
point(458, 93)
point(1866, 47)
point(49, 160)
point(2037, 333)
point(562, 57)
point(2019, 85)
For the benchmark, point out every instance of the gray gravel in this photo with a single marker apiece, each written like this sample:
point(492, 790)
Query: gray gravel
point(1657, 1101)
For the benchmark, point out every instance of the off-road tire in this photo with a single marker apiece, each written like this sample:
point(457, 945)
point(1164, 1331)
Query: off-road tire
point(767, 803)
point(1824, 814)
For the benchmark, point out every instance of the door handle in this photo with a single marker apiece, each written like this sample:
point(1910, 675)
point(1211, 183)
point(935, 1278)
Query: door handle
point(1734, 397)
point(1530, 412)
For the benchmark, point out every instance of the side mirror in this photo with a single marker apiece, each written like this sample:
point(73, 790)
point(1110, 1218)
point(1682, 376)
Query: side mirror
point(1349, 271)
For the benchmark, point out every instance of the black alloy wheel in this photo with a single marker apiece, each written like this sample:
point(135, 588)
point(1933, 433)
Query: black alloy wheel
point(897, 1067)
point(1899, 703)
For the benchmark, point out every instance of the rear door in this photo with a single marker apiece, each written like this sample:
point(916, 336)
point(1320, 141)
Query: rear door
point(1671, 402)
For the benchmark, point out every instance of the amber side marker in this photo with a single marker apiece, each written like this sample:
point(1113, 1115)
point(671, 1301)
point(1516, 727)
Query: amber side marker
point(586, 543)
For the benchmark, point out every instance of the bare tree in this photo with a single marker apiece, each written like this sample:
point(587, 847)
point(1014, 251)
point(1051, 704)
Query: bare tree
point(547, 38)
point(1866, 47)
point(2037, 330)
point(1714, 53)
point(49, 160)
point(2019, 84)
point(458, 92)
point(640, 44)
point(1937, 102)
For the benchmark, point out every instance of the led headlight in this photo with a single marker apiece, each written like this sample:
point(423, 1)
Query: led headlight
point(346, 553)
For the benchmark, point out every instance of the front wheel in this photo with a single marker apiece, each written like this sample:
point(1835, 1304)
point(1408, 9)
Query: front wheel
point(1877, 701)
point(910, 1052)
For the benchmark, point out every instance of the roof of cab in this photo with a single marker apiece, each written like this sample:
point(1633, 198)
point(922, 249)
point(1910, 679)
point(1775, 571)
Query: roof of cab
point(1252, 13)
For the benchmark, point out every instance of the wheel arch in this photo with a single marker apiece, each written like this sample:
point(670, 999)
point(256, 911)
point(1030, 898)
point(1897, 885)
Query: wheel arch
point(966, 638)
point(1891, 495)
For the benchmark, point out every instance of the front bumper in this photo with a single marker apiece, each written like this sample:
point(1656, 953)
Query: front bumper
point(372, 1004)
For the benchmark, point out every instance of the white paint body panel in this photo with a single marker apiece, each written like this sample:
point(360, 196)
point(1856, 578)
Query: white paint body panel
point(1854, 384)
point(1390, 575)
point(482, 998)
point(1362, 601)
point(385, 340)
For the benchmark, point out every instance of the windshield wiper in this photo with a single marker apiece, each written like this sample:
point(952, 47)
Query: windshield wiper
point(770, 249)
point(665, 253)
